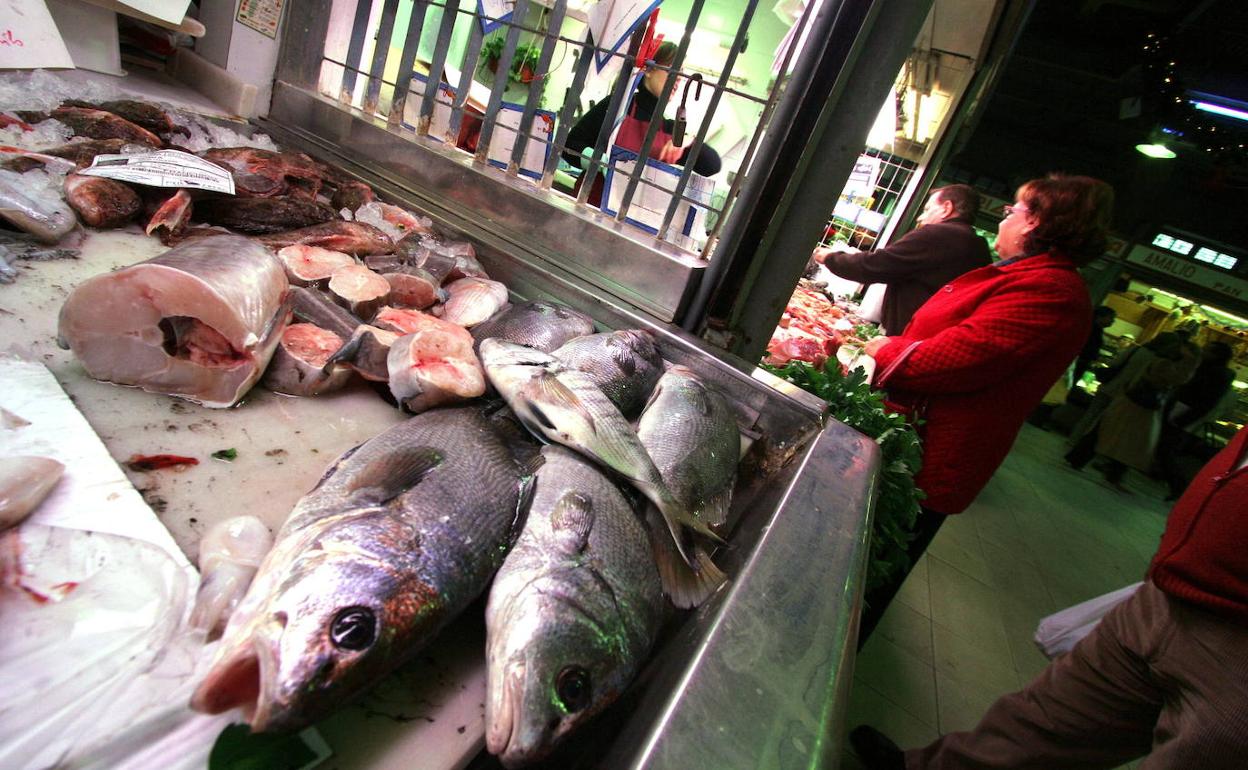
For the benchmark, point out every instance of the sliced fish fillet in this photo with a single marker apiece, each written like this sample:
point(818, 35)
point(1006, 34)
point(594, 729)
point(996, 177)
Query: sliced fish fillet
point(473, 300)
point(433, 364)
point(200, 321)
point(24, 483)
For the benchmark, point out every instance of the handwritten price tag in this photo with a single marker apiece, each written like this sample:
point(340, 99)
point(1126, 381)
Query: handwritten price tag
point(29, 38)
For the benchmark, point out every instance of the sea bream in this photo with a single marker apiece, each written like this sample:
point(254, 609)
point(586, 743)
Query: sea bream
point(624, 364)
point(200, 321)
point(572, 613)
point(400, 535)
point(537, 324)
point(563, 405)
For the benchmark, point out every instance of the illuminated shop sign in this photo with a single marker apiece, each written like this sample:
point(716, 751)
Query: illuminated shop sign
point(1187, 270)
point(1204, 254)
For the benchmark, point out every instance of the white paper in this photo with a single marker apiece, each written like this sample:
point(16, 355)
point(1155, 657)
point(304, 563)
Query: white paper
point(29, 38)
point(613, 21)
point(163, 168)
point(172, 11)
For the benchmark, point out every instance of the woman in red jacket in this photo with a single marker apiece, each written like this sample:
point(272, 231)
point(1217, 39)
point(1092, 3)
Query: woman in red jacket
point(979, 356)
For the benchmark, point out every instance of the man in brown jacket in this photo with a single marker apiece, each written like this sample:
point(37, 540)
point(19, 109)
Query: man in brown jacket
point(916, 265)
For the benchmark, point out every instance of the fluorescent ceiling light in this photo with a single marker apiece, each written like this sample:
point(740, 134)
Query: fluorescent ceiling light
point(1218, 109)
point(1155, 150)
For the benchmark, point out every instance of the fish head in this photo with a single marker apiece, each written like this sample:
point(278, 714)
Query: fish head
point(345, 612)
point(561, 654)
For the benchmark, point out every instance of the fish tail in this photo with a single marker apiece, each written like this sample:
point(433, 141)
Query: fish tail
point(686, 572)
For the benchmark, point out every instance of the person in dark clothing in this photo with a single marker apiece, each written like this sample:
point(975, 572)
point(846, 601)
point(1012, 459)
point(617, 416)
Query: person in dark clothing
point(1191, 406)
point(632, 130)
point(1102, 318)
point(915, 266)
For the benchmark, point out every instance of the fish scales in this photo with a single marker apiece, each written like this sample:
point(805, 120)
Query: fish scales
point(399, 536)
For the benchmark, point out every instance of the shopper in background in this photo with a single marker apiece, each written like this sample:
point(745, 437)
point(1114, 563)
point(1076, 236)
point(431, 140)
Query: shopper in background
point(944, 246)
point(1162, 674)
point(1102, 318)
point(982, 352)
point(1192, 405)
point(1128, 431)
point(636, 121)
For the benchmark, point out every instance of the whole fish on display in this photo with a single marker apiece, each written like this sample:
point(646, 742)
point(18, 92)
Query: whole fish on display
point(563, 405)
point(355, 238)
point(45, 216)
point(572, 613)
point(263, 215)
point(351, 195)
point(624, 364)
point(691, 433)
point(102, 203)
point(98, 124)
point(263, 173)
point(536, 324)
point(143, 114)
point(399, 536)
point(83, 153)
point(200, 321)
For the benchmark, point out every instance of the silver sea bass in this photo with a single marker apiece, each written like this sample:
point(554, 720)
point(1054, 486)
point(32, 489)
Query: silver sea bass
point(572, 613)
point(564, 405)
point(536, 324)
point(399, 536)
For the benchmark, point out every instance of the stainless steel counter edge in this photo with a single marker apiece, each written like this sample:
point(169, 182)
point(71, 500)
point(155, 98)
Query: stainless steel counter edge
point(765, 679)
point(617, 258)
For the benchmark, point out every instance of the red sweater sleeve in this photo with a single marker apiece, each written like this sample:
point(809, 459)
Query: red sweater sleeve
point(1010, 327)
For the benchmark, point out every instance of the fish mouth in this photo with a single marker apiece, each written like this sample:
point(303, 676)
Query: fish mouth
point(504, 735)
point(240, 681)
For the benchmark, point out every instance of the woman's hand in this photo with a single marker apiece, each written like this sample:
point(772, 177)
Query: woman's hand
point(874, 344)
point(670, 153)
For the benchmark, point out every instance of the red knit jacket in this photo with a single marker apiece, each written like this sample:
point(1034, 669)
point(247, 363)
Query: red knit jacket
point(1203, 557)
point(976, 359)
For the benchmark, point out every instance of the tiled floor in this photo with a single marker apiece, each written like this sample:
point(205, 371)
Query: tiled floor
point(1040, 537)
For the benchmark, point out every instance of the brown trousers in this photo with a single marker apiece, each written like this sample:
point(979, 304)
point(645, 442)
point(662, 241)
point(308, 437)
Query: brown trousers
point(1157, 677)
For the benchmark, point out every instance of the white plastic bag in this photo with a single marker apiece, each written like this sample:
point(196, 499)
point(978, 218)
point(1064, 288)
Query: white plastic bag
point(872, 305)
point(1060, 632)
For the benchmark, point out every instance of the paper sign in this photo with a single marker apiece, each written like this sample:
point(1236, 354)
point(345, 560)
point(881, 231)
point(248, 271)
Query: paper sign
point(261, 15)
point(494, 13)
point(172, 11)
point(612, 22)
point(164, 168)
point(862, 180)
point(29, 38)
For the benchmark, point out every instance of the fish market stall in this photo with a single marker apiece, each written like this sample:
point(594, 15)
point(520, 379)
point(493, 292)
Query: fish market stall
point(778, 634)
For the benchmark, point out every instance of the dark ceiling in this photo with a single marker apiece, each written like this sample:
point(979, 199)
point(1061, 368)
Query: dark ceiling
point(1058, 106)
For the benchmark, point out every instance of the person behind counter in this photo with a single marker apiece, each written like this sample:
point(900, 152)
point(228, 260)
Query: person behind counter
point(632, 129)
point(983, 351)
point(1162, 674)
point(944, 246)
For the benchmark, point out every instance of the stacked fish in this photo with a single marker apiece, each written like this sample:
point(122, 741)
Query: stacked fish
point(405, 531)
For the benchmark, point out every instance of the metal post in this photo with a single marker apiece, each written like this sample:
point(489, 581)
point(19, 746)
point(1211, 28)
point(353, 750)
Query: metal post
point(571, 100)
point(450, 12)
point(536, 87)
point(468, 66)
point(622, 83)
point(355, 50)
point(381, 51)
point(407, 62)
point(501, 77)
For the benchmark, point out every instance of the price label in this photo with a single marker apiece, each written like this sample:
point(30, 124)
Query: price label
point(164, 168)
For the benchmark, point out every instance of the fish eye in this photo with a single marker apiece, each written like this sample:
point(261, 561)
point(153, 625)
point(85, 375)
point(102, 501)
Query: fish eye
point(573, 688)
point(354, 628)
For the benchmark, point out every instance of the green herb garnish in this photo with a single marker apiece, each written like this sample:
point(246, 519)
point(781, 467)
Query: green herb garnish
point(225, 454)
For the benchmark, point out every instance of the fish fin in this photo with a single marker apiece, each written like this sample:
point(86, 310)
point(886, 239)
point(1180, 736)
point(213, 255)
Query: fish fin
point(572, 520)
point(386, 477)
point(654, 395)
point(715, 510)
point(552, 390)
point(624, 359)
point(699, 396)
point(686, 583)
point(347, 353)
point(524, 499)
